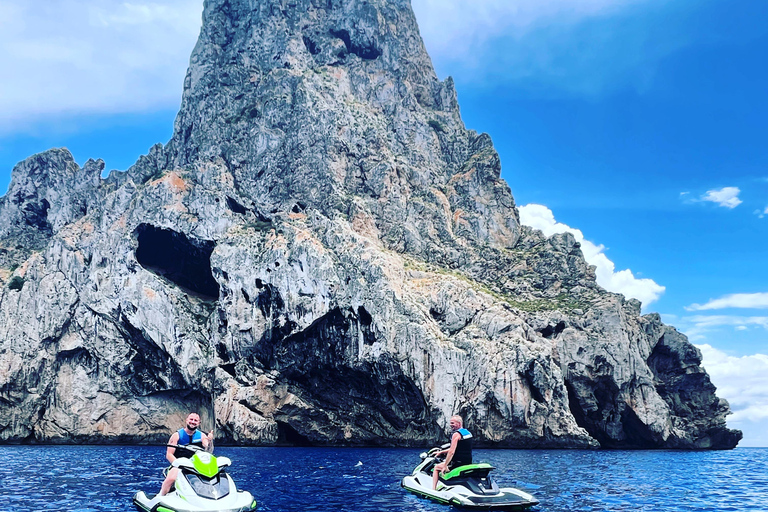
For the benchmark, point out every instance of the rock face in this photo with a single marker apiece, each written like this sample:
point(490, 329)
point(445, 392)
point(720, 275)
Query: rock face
point(322, 254)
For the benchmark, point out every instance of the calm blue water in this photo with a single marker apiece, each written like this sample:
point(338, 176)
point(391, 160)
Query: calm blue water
point(95, 478)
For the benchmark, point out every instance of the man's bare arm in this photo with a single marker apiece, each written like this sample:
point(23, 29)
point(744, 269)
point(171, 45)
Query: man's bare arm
point(208, 441)
point(454, 443)
point(170, 452)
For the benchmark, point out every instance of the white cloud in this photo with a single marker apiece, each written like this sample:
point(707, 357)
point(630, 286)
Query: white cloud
point(133, 14)
point(86, 57)
point(743, 381)
point(552, 48)
point(697, 327)
point(727, 197)
point(645, 290)
point(460, 26)
point(735, 300)
point(77, 57)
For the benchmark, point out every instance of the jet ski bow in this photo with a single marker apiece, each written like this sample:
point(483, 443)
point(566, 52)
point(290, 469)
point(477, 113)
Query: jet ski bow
point(202, 485)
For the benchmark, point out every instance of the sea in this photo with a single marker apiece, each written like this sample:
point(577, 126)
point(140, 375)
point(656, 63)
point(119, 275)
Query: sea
point(105, 478)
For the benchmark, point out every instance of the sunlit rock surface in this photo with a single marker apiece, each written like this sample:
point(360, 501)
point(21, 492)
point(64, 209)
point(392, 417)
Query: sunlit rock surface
point(322, 254)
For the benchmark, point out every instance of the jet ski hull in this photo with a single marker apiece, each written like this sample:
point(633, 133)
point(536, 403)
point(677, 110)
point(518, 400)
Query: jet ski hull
point(242, 501)
point(470, 488)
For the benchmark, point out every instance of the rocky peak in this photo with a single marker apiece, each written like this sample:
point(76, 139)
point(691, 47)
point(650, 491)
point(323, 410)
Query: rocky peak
point(47, 192)
point(335, 106)
point(322, 254)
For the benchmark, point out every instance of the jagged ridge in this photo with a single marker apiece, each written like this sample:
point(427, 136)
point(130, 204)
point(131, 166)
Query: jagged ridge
point(322, 254)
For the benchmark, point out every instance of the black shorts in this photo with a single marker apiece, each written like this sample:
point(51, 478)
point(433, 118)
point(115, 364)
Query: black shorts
point(456, 463)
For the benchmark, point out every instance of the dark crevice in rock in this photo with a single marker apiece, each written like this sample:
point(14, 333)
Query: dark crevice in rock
point(638, 434)
point(574, 405)
point(223, 323)
point(248, 405)
point(592, 404)
point(222, 352)
point(287, 436)
point(311, 46)
point(229, 368)
point(437, 315)
point(235, 206)
point(366, 322)
point(261, 223)
point(369, 52)
point(530, 378)
point(269, 299)
point(79, 357)
point(36, 215)
point(16, 283)
point(270, 303)
point(440, 316)
point(553, 331)
point(150, 369)
point(183, 261)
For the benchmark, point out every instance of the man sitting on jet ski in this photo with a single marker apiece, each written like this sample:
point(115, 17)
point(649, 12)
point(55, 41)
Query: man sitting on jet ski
point(189, 435)
point(458, 454)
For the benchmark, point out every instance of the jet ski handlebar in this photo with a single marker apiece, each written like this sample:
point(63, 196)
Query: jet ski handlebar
point(432, 452)
point(189, 447)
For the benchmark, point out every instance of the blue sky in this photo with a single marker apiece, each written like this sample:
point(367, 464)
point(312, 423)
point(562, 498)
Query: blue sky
point(640, 125)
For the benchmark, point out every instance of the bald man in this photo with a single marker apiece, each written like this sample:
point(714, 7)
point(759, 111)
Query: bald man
point(189, 435)
point(458, 454)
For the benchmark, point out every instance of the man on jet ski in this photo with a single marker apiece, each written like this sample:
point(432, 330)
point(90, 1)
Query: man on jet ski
point(460, 451)
point(189, 435)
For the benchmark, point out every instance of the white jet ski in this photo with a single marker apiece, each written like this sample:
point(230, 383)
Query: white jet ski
point(467, 487)
point(202, 485)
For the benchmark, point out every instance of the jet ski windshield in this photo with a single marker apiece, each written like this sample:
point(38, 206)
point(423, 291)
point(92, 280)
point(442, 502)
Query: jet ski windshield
point(213, 488)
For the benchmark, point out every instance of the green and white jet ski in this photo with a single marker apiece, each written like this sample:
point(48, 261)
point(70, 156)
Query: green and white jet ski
point(202, 485)
point(467, 487)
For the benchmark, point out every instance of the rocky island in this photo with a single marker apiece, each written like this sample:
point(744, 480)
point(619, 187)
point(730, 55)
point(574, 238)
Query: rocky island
point(322, 254)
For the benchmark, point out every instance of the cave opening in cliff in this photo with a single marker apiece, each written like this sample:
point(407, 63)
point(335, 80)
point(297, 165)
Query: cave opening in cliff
point(597, 407)
point(287, 436)
point(36, 214)
point(183, 261)
point(369, 52)
point(321, 364)
point(550, 331)
point(592, 402)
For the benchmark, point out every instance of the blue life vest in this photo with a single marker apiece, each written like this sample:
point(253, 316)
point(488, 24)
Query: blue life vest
point(463, 454)
point(184, 440)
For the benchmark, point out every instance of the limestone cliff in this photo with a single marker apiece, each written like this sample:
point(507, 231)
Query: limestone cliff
point(321, 254)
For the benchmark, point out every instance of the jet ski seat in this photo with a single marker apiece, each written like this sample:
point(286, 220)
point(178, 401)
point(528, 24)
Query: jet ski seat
point(479, 470)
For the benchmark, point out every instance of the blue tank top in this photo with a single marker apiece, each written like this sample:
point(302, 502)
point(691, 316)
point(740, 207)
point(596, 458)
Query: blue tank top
point(184, 440)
